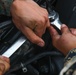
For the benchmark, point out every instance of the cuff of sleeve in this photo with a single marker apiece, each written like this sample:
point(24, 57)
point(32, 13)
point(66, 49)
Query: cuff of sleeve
point(70, 55)
point(69, 63)
point(5, 5)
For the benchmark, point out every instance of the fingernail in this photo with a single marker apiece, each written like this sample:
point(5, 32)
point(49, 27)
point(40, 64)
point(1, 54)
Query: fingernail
point(63, 25)
point(41, 44)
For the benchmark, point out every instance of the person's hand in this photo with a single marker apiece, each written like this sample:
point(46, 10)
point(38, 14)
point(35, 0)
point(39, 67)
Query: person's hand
point(4, 64)
point(64, 42)
point(31, 19)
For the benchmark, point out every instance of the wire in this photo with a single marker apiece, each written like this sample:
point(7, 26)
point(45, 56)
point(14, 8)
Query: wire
point(37, 57)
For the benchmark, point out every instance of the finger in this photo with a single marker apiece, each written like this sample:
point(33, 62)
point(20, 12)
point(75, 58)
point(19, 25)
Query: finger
point(48, 23)
point(44, 11)
point(32, 36)
point(54, 34)
point(41, 26)
point(40, 29)
point(5, 59)
point(2, 69)
point(73, 31)
point(5, 65)
point(45, 15)
point(64, 29)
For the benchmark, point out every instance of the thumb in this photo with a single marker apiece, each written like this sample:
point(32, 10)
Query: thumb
point(54, 34)
point(65, 29)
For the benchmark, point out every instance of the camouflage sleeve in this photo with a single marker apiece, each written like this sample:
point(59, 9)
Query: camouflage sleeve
point(5, 7)
point(69, 63)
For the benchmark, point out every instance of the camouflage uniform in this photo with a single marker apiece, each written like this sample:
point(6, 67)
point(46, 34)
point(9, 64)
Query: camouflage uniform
point(5, 6)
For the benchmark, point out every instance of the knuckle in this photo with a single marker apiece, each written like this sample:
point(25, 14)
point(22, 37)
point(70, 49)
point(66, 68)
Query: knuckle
point(46, 18)
point(43, 21)
point(46, 15)
point(46, 12)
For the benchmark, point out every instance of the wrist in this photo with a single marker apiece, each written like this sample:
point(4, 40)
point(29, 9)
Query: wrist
point(65, 51)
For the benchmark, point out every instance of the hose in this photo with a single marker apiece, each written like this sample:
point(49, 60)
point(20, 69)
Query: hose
point(38, 56)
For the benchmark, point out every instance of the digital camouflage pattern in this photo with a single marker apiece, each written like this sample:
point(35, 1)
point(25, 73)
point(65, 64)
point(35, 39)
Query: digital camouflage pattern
point(5, 6)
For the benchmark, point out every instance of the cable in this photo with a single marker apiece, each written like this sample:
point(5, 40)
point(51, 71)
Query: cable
point(39, 56)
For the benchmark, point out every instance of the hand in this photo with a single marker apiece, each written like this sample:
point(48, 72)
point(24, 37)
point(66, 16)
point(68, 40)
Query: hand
point(64, 42)
point(31, 19)
point(4, 64)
